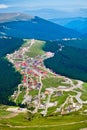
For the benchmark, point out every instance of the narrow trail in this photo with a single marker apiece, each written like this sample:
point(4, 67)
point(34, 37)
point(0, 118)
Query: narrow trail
point(45, 126)
point(19, 86)
point(9, 116)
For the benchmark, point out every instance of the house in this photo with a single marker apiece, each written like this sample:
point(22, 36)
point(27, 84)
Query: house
point(52, 104)
point(38, 85)
point(47, 92)
point(59, 93)
point(50, 90)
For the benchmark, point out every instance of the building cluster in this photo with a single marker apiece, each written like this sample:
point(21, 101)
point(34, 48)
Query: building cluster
point(33, 71)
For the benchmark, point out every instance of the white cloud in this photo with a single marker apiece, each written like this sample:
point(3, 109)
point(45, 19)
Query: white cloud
point(3, 6)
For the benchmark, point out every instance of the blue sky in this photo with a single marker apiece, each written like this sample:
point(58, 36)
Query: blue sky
point(62, 4)
point(78, 6)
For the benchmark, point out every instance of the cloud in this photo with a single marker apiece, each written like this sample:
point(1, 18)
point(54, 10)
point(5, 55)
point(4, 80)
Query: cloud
point(3, 6)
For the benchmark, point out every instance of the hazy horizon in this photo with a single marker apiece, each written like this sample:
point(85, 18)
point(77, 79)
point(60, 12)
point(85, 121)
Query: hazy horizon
point(62, 8)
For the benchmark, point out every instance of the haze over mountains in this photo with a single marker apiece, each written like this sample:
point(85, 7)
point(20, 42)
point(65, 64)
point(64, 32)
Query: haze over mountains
point(25, 26)
point(65, 21)
point(47, 13)
point(79, 25)
point(76, 23)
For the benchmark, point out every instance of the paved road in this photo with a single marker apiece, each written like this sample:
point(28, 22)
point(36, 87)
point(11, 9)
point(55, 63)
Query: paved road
point(79, 85)
point(39, 93)
point(48, 101)
point(78, 97)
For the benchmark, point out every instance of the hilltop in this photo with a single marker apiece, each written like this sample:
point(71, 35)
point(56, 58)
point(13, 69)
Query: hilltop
point(8, 17)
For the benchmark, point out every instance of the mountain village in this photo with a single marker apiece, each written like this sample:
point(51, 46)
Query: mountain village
point(32, 92)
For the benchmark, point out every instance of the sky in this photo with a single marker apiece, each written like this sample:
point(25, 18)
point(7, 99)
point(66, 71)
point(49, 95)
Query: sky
point(79, 6)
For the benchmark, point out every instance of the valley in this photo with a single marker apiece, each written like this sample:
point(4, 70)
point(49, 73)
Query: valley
point(46, 95)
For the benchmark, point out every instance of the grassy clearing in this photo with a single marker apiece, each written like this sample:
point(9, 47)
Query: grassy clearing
point(61, 99)
point(36, 49)
point(33, 92)
point(3, 111)
point(75, 82)
point(68, 127)
point(20, 98)
point(26, 42)
point(84, 92)
point(53, 82)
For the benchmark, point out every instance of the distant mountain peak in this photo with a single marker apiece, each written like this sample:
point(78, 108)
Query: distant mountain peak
point(8, 17)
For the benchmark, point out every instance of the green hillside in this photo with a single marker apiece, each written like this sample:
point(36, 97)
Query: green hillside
point(71, 61)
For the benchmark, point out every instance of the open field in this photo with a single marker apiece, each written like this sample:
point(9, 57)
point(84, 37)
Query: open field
point(84, 92)
point(74, 121)
point(36, 49)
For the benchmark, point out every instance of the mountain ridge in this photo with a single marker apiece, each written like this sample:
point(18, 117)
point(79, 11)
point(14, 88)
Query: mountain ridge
point(36, 27)
point(7, 17)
